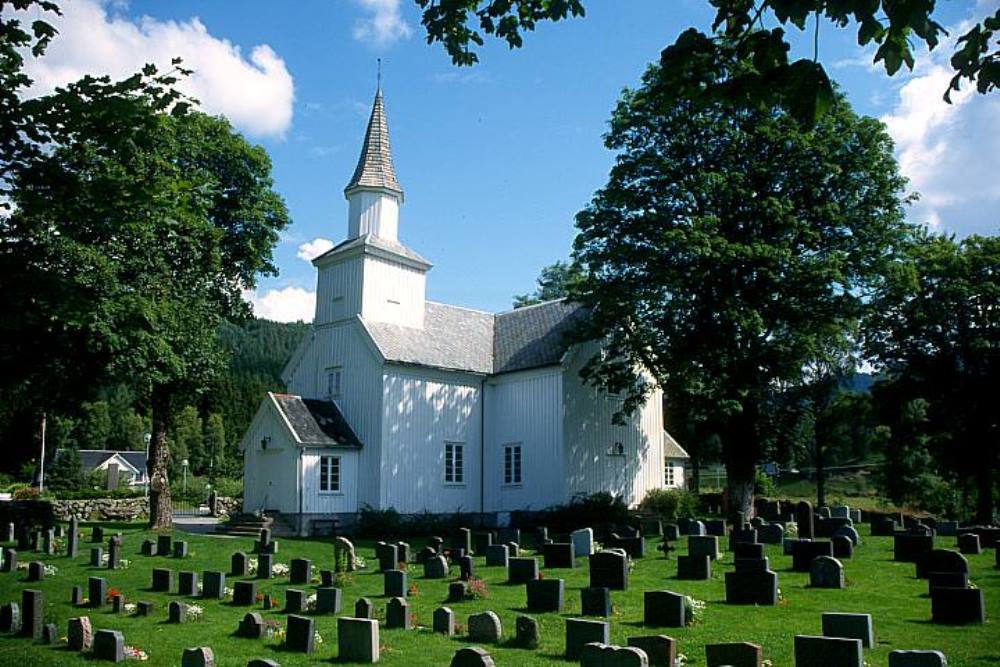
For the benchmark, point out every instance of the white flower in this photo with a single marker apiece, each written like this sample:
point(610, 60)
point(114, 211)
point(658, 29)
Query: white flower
point(279, 569)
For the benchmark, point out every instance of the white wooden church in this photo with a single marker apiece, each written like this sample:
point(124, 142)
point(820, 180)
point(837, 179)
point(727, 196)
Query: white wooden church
point(399, 402)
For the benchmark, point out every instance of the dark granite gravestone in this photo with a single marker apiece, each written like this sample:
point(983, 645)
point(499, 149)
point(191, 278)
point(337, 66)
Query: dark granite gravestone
point(436, 567)
point(239, 564)
point(403, 552)
point(300, 634)
point(826, 572)
point(526, 632)
point(76, 596)
point(804, 520)
point(908, 547)
point(520, 570)
point(884, 526)
point(364, 608)
point(609, 569)
point(9, 559)
point(109, 646)
point(424, 555)
point(462, 539)
point(917, 659)
point(397, 614)
point(827, 652)
point(595, 602)
point(97, 534)
point(8, 532)
point(265, 565)
point(748, 550)
point(148, 548)
point(472, 656)
point(163, 580)
point(947, 580)
point(496, 555)
point(716, 527)
point(394, 584)
point(244, 593)
point(505, 535)
point(357, 640)
point(73, 538)
point(97, 591)
point(941, 560)
point(328, 600)
point(114, 552)
point(558, 555)
point(633, 546)
point(481, 540)
point(444, 621)
point(485, 628)
point(703, 545)
point(758, 587)
point(546, 595)
point(663, 609)
point(96, 556)
point(251, 627)
point(50, 633)
point(734, 654)
point(10, 617)
point(849, 532)
point(213, 586)
point(31, 613)
point(326, 578)
point(580, 632)
point(180, 549)
point(80, 634)
point(117, 603)
point(187, 584)
point(466, 568)
point(843, 547)
point(201, 656)
point(694, 567)
point(163, 544)
point(144, 608)
point(583, 541)
point(660, 650)
point(742, 535)
point(295, 601)
point(671, 532)
point(457, 590)
point(36, 571)
point(300, 571)
point(691, 527)
point(957, 606)
point(803, 553)
point(968, 543)
point(771, 533)
point(851, 626)
point(176, 612)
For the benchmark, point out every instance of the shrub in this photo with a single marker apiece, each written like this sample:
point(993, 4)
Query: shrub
point(763, 485)
point(90, 494)
point(25, 492)
point(599, 509)
point(379, 523)
point(230, 487)
point(670, 504)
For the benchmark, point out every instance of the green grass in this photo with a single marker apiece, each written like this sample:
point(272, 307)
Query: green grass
point(876, 584)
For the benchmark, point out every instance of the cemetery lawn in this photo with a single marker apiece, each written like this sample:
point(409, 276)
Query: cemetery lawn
point(875, 584)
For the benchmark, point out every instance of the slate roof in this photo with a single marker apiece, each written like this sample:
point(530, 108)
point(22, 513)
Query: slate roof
point(672, 449)
point(372, 241)
point(375, 168)
point(471, 340)
point(315, 422)
point(90, 459)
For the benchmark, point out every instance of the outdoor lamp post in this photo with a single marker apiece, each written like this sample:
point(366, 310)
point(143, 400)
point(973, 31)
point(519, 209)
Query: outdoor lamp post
point(184, 467)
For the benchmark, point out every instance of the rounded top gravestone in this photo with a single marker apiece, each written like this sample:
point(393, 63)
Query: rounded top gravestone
point(826, 572)
point(485, 627)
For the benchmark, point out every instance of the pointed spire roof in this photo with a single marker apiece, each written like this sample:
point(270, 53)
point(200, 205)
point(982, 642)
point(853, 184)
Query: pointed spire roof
point(375, 168)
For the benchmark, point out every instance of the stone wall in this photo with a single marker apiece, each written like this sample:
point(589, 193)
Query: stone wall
point(229, 505)
point(101, 509)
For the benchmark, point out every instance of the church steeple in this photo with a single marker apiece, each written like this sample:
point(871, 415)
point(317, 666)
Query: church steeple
point(373, 192)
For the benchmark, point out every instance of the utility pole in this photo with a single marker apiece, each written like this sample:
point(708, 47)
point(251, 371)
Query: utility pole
point(41, 465)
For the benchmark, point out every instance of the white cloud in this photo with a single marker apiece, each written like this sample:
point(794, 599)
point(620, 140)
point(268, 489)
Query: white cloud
point(254, 91)
point(385, 25)
point(313, 249)
point(950, 152)
point(290, 304)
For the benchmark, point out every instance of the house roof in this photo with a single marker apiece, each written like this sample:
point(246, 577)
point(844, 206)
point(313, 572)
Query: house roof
point(672, 449)
point(479, 342)
point(375, 169)
point(315, 422)
point(91, 459)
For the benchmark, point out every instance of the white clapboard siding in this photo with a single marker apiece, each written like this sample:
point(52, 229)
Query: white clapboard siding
point(329, 502)
point(525, 408)
point(424, 409)
point(393, 293)
point(269, 475)
point(338, 290)
point(375, 213)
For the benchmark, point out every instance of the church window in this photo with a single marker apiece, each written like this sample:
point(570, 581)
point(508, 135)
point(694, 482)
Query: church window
point(333, 382)
point(668, 476)
point(329, 474)
point(454, 464)
point(512, 464)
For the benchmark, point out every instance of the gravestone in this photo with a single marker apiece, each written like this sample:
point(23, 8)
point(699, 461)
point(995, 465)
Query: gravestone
point(742, 535)
point(941, 560)
point(957, 606)
point(481, 540)
point(300, 634)
point(239, 564)
point(36, 571)
point(343, 555)
point(826, 572)
point(558, 555)
point(148, 548)
point(144, 608)
point(244, 593)
point(540, 537)
point(425, 554)
point(472, 656)
point(754, 550)
point(403, 552)
point(97, 591)
point(526, 632)
point(8, 532)
point(9, 563)
point(213, 585)
point(485, 628)
point(583, 541)
point(840, 512)
point(201, 656)
point(394, 584)
point(462, 539)
point(97, 534)
point(661, 650)
point(80, 634)
point(187, 584)
point(300, 571)
point(947, 528)
point(364, 608)
point(328, 600)
point(850, 532)
point(164, 544)
point(803, 553)
point(733, 654)
point(295, 601)
point(597, 654)
point(457, 590)
point(466, 568)
point(265, 565)
point(827, 652)
point(163, 580)
point(884, 526)
point(513, 549)
point(357, 640)
point(444, 621)
point(114, 552)
point(804, 520)
point(609, 569)
point(176, 612)
point(968, 543)
point(747, 586)
point(180, 549)
point(580, 632)
point(909, 547)
point(546, 595)
point(823, 512)
point(73, 538)
point(397, 614)
point(771, 533)
point(520, 570)
point(327, 577)
point(917, 659)
point(50, 633)
point(436, 543)
point(96, 556)
point(496, 555)
point(505, 535)
point(109, 645)
point(842, 546)
point(716, 527)
point(76, 596)
point(633, 546)
point(663, 609)
point(851, 626)
point(703, 545)
point(10, 617)
point(117, 603)
point(436, 568)
point(32, 612)
point(595, 602)
point(947, 580)
point(251, 627)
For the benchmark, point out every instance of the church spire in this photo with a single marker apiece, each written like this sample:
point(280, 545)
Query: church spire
point(375, 170)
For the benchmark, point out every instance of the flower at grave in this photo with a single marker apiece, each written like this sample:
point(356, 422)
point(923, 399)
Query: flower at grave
point(200, 588)
point(401, 565)
point(260, 597)
point(195, 611)
point(360, 563)
point(311, 602)
point(680, 660)
point(413, 619)
point(227, 593)
point(459, 628)
point(342, 579)
point(767, 663)
point(251, 566)
point(124, 563)
point(598, 546)
point(112, 592)
point(413, 590)
point(541, 574)
point(694, 610)
point(135, 653)
point(50, 570)
point(64, 639)
point(317, 638)
point(274, 602)
point(791, 529)
point(279, 569)
point(272, 629)
point(22, 565)
point(476, 590)
point(131, 607)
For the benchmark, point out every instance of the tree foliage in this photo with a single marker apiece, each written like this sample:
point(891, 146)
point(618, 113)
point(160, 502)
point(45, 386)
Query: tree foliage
point(741, 245)
point(556, 281)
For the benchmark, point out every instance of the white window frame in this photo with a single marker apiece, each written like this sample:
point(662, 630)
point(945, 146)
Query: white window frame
point(334, 381)
point(330, 473)
point(454, 463)
point(669, 474)
point(513, 464)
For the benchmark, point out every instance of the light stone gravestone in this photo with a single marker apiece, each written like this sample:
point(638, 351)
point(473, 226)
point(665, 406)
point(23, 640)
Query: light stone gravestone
point(357, 640)
point(485, 628)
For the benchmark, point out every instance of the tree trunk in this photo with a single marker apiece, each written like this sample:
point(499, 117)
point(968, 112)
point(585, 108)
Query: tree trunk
point(984, 494)
point(160, 512)
point(820, 475)
point(741, 488)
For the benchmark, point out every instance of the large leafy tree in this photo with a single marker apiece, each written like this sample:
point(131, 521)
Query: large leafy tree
point(895, 27)
point(556, 281)
point(732, 249)
point(936, 333)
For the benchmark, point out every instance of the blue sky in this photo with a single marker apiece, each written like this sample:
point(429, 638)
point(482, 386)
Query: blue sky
point(496, 159)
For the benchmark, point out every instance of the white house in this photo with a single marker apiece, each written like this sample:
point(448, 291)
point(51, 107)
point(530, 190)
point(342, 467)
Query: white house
point(675, 463)
point(131, 466)
point(399, 402)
